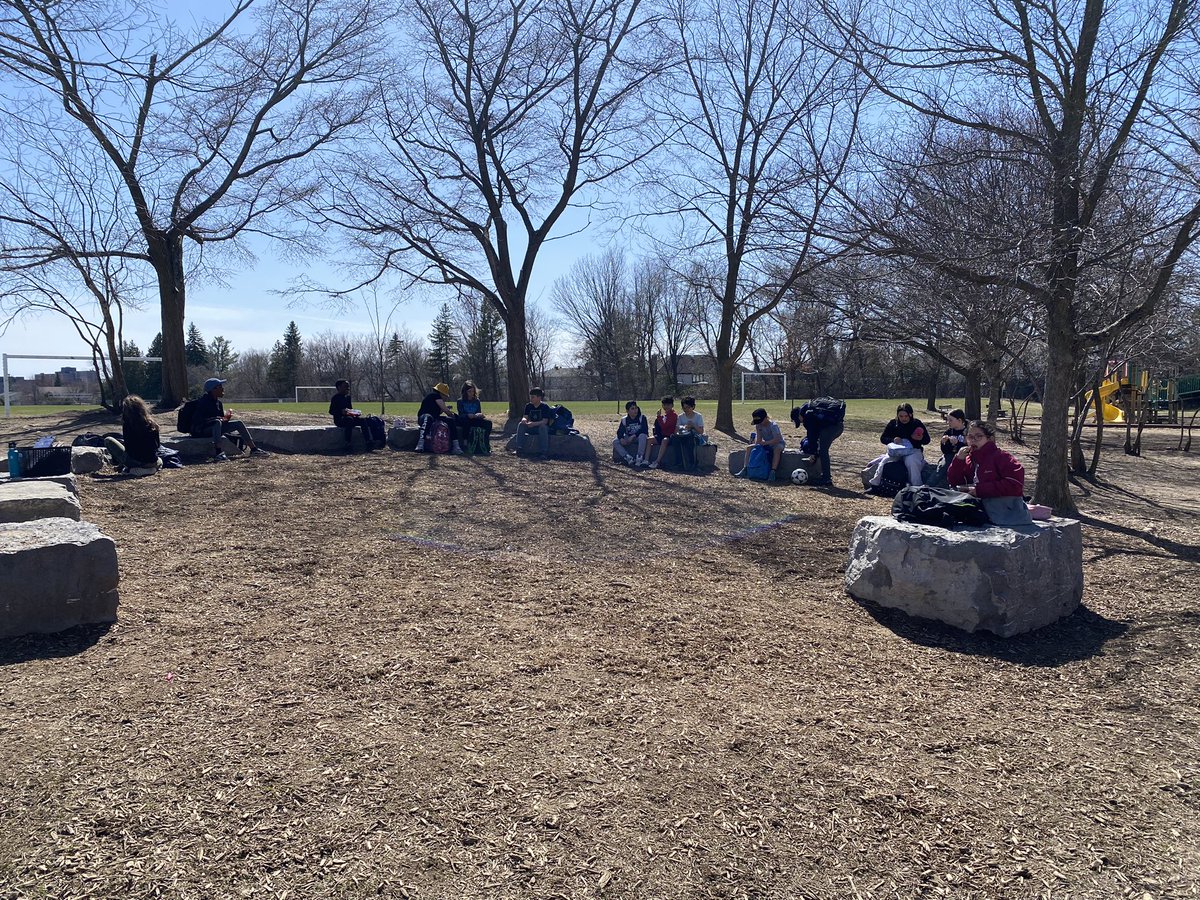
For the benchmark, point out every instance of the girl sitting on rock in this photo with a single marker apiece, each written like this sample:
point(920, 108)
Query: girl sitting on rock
point(137, 451)
point(995, 476)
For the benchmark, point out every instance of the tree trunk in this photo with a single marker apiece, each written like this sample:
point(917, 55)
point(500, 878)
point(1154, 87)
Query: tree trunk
point(995, 384)
point(1099, 445)
point(932, 389)
point(166, 255)
point(1053, 487)
point(518, 365)
point(973, 402)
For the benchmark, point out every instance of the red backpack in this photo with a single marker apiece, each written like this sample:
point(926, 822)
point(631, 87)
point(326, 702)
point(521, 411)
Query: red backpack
point(439, 437)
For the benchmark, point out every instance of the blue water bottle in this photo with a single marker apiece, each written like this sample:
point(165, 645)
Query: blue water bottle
point(14, 461)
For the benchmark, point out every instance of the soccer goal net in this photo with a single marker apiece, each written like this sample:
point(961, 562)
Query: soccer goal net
point(312, 393)
point(764, 386)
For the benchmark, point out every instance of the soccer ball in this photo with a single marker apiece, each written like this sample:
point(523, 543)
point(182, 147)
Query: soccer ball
point(800, 476)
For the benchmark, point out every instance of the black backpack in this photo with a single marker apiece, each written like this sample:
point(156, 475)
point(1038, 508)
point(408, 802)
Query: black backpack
point(825, 410)
point(185, 416)
point(938, 506)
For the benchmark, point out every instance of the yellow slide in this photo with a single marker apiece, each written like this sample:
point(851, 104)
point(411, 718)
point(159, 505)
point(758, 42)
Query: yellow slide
point(1111, 412)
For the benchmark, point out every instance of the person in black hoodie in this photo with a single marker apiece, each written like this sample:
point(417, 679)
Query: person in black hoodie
point(905, 429)
point(138, 447)
point(347, 418)
point(210, 420)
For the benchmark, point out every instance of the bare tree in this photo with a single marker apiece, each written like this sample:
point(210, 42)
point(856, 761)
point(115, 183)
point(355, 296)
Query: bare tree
point(201, 130)
point(1084, 90)
point(760, 125)
point(501, 117)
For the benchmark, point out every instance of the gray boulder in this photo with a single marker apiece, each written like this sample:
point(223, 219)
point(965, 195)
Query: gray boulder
point(87, 459)
point(189, 447)
point(56, 573)
point(562, 446)
point(789, 461)
point(36, 498)
point(67, 481)
point(403, 438)
point(1004, 580)
point(706, 458)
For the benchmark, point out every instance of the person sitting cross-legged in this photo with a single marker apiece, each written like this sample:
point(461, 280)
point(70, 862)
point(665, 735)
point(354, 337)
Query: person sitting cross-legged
point(536, 420)
point(347, 418)
point(211, 420)
point(137, 451)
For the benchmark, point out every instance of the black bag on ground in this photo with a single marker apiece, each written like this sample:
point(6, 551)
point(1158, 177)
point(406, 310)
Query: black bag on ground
point(893, 479)
point(938, 506)
point(88, 439)
point(377, 428)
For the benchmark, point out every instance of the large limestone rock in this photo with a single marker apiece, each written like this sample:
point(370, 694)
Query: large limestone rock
point(67, 481)
point(706, 457)
point(189, 447)
point(789, 461)
point(55, 574)
point(403, 438)
point(87, 459)
point(303, 438)
point(562, 446)
point(36, 498)
point(1003, 580)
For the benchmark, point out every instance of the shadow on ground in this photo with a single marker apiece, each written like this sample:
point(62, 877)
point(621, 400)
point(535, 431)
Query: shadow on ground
point(51, 646)
point(1079, 636)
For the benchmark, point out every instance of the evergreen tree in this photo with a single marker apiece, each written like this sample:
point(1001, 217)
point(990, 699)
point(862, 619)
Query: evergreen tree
point(135, 372)
point(221, 356)
point(195, 349)
point(284, 367)
point(442, 345)
point(152, 386)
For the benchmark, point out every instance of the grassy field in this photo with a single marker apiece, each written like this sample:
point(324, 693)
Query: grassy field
point(868, 410)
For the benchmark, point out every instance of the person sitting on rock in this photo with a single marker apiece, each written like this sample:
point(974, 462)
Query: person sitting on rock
point(954, 438)
point(995, 476)
point(689, 434)
point(904, 437)
point(766, 434)
point(211, 420)
point(137, 451)
point(537, 418)
point(631, 434)
point(471, 417)
point(347, 418)
point(665, 425)
point(432, 409)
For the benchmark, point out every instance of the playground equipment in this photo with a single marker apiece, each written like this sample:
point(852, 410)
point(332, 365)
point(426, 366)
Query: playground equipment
point(1137, 396)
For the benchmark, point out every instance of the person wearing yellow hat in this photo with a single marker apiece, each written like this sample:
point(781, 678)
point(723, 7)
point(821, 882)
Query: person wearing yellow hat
point(433, 408)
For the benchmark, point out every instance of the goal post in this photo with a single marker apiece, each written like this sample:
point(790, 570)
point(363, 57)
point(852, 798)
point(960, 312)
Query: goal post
point(782, 375)
point(314, 387)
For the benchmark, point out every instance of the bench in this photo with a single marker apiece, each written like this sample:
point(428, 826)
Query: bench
point(789, 461)
point(563, 446)
point(706, 457)
point(1004, 580)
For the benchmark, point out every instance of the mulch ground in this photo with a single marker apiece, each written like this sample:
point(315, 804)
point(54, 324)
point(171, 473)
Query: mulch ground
point(408, 676)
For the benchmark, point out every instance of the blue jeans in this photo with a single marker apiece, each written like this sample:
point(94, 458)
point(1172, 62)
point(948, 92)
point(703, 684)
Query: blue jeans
point(218, 427)
point(825, 437)
point(543, 433)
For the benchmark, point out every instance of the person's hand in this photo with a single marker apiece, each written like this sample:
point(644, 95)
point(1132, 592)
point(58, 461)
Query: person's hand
point(962, 453)
point(970, 489)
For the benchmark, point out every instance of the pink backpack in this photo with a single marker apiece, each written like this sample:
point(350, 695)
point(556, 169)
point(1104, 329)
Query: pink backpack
point(439, 439)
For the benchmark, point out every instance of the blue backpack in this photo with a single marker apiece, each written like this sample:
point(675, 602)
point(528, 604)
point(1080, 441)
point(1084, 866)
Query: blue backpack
point(563, 422)
point(758, 463)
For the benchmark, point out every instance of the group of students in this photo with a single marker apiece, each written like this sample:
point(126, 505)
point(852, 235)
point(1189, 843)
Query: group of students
point(971, 462)
point(638, 444)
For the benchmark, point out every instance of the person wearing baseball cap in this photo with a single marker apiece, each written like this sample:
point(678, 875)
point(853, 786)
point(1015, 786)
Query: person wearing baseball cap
point(434, 407)
point(211, 420)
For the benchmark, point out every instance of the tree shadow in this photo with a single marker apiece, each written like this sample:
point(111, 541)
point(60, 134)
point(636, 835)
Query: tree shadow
point(1079, 636)
point(1174, 548)
point(73, 641)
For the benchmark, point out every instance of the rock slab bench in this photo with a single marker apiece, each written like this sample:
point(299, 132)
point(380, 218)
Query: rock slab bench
point(190, 447)
point(563, 446)
point(403, 438)
point(789, 461)
point(37, 498)
point(706, 457)
point(56, 574)
point(1004, 580)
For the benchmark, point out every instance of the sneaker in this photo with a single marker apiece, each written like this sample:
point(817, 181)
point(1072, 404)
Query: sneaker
point(456, 450)
point(653, 465)
point(220, 457)
point(640, 462)
point(741, 474)
point(259, 452)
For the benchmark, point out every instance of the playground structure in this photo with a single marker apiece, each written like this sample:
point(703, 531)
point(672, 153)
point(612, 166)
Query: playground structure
point(1134, 395)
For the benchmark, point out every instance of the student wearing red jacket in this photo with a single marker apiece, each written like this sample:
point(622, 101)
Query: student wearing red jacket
point(982, 469)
